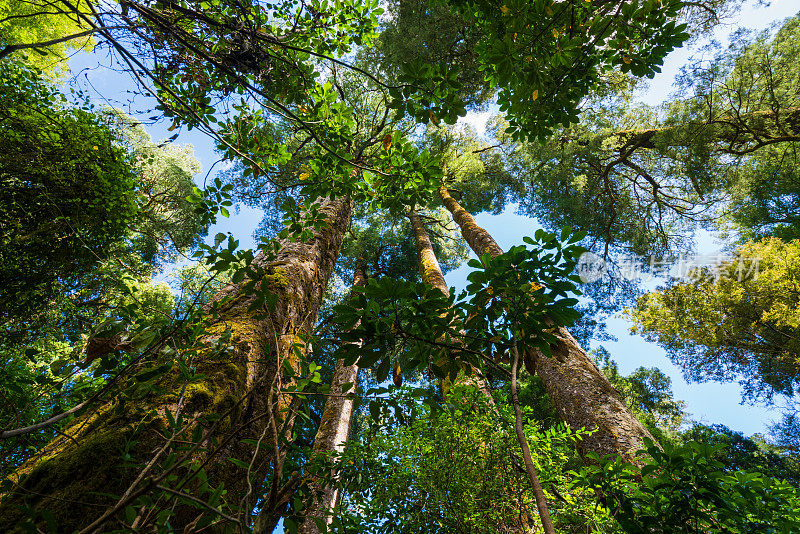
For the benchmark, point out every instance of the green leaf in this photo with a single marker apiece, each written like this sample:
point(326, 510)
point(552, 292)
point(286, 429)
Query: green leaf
point(153, 373)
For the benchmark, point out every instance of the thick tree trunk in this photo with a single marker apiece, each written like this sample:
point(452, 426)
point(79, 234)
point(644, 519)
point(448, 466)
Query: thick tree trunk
point(431, 273)
point(334, 429)
point(580, 392)
point(75, 475)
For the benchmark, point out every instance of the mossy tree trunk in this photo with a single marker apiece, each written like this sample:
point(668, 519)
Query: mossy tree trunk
point(334, 429)
point(128, 450)
point(580, 392)
point(735, 134)
point(431, 273)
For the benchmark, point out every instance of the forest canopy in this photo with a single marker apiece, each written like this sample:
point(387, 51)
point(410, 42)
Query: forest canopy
point(155, 378)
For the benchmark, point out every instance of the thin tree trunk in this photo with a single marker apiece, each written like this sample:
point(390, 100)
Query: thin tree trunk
point(533, 476)
point(73, 476)
point(334, 429)
point(431, 273)
point(580, 392)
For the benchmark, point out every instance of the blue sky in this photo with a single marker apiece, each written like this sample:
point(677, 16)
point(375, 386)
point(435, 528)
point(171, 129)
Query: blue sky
point(708, 403)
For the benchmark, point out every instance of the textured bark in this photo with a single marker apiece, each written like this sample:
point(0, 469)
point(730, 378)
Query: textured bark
point(584, 398)
point(98, 347)
point(476, 237)
point(267, 523)
point(580, 392)
point(242, 386)
point(334, 429)
point(429, 268)
point(431, 273)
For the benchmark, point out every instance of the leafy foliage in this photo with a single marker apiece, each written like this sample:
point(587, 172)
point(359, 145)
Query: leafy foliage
point(766, 198)
point(685, 489)
point(523, 292)
point(382, 319)
point(166, 224)
point(424, 32)
point(453, 467)
point(645, 178)
point(740, 323)
point(39, 21)
point(544, 57)
point(90, 206)
point(740, 453)
point(67, 192)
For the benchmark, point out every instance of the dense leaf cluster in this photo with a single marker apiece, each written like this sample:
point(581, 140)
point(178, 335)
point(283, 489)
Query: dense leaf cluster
point(685, 489)
point(67, 192)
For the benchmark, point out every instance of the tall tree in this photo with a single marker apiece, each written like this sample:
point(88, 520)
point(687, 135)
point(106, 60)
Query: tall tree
point(333, 431)
point(242, 352)
point(67, 193)
point(578, 390)
point(196, 56)
point(644, 179)
point(736, 320)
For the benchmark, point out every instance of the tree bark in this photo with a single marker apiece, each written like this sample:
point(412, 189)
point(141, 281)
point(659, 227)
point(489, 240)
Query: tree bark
point(431, 273)
point(334, 429)
point(75, 475)
point(580, 392)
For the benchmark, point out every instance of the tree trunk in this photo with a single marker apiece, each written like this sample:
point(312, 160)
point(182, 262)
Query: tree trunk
point(737, 134)
point(334, 429)
point(431, 273)
point(75, 475)
point(533, 476)
point(580, 392)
